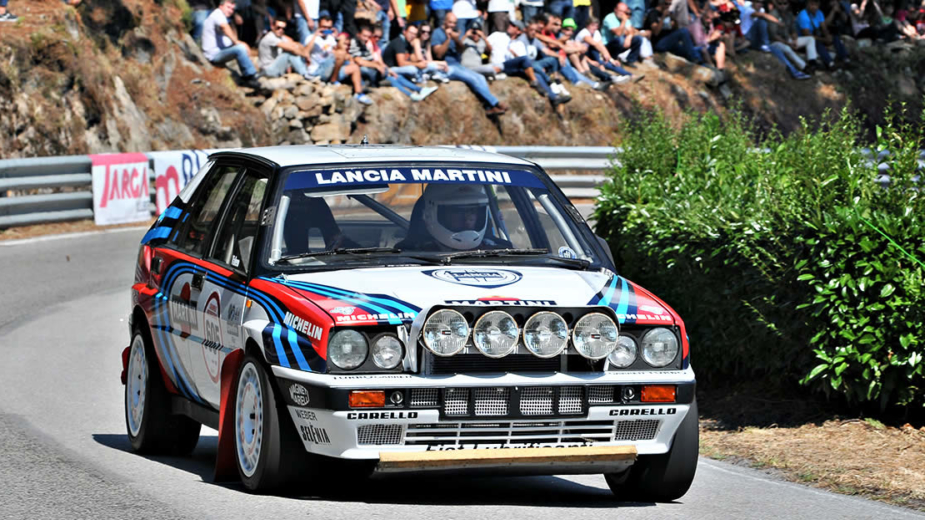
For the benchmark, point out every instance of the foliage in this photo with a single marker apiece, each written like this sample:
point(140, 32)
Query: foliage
point(786, 258)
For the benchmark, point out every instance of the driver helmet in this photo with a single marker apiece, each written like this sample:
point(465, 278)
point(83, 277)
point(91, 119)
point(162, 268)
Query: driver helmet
point(456, 215)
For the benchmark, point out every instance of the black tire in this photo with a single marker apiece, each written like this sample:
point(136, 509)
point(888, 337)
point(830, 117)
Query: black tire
point(159, 432)
point(281, 456)
point(662, 478)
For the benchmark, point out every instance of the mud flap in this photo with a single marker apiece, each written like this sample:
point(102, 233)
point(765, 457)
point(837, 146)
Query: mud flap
point(225, 465)
point(124, 376)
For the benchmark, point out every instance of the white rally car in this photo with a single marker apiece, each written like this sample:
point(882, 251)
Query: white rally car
point(419, 309)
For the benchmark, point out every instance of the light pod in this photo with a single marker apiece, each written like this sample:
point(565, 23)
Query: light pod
point(595, 336)
point(495, 334)
point(445, 332)
point(545, 334)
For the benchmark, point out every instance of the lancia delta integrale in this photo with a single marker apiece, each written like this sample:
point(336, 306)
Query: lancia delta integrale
point(415, 309)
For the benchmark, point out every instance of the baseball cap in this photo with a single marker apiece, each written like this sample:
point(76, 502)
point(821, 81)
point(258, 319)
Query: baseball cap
point(569, 22)
point(518, 24)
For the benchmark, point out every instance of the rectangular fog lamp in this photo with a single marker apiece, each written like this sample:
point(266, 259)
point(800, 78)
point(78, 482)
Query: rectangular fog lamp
point(658, 394)
point(367, 399)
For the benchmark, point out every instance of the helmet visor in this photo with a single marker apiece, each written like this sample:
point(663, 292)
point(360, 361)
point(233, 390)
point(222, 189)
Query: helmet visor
point(462, 217)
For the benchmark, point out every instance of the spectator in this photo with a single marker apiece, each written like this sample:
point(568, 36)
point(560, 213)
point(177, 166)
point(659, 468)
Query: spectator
point(446, 43)
point(544, 60)
point(397, 55)
point(511, 54)
point(597, 52)
point(561, 8)
point(717, 37)
point(475, 45)
point(328, 59)
point(637, 13)
point(754, 25)
point(466, 14)
point(560, 47)
point(5, 15)
point(529, 9)
point(668, 37)
point(439, 8)
point(277, 52)
point(220, 44)
point(343, 12)
point(811, 22)
point(385, 15)
point(784, 37)
point(499, 15)
point(786, 34)
point(581, 12)
point(620, 34)
point(305, 14)
point(201, 10)
point(374, 70)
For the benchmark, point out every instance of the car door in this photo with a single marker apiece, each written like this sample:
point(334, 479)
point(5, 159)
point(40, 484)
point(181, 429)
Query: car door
point(184, 275)
point(223, 294)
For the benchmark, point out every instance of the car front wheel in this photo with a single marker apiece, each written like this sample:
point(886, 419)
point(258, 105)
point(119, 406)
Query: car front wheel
point(666, 477)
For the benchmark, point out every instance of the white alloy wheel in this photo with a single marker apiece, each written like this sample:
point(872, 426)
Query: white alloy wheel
point(137, 382)
point(248, 426)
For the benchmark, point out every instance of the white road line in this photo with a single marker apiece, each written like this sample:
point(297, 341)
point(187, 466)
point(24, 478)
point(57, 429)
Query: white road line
point(48, 238)
point(790, 485)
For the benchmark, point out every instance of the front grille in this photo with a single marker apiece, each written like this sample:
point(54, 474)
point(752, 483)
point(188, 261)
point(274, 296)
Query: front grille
point(641, 430)
point(600, 394)
point(456, 401)
point(491, 401)
point(424, 397)
point(570, 400)
point(379, 434)
point(536, 400)
point(522, 433)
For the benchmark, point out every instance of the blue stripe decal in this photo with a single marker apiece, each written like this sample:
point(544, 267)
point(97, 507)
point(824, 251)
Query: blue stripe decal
point(172, 212)
point(609, 294)
point(624, 300)
point(280, 351)
point(296, 351)
point(156, 233)
point(166, 350)
point(393, 303)
point(359, 303)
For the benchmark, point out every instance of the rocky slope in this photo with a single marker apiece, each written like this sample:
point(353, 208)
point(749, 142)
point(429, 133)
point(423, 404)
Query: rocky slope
point(123, 75)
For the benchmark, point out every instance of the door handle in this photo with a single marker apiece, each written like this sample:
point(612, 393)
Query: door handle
point(156, 265)
point(198, 279)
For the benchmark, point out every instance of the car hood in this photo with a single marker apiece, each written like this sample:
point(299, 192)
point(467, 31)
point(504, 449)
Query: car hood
point(398, 294)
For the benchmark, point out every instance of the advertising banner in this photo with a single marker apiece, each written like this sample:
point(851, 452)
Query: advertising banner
point(120, 188)
point(172, 171)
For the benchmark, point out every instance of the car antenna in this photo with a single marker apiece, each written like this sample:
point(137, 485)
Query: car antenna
point(365, 141)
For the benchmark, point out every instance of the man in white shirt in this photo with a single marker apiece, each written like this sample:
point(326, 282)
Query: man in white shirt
point(220, 44)
point(510, 52)
point(277, 52)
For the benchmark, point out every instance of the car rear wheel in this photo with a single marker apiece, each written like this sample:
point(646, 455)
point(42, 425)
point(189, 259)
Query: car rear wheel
point(152, 428)
point(267, 449)
point(666, 477)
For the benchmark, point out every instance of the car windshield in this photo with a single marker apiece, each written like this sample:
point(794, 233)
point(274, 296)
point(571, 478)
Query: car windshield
point(400, 215)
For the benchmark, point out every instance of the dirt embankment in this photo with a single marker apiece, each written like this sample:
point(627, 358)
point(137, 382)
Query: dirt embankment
point(123, 75)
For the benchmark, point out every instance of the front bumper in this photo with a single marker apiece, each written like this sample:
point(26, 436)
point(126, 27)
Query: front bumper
point(403, 437)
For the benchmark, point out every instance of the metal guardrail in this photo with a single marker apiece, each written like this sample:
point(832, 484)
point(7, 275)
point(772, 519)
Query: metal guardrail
point(74, 172)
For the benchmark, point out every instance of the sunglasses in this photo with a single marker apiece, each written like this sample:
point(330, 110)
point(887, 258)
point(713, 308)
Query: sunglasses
point(279, 28)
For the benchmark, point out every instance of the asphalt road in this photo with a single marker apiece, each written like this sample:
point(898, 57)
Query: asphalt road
point(66, 455)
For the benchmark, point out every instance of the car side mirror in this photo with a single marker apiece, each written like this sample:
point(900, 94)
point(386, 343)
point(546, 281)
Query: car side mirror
point(606, 247)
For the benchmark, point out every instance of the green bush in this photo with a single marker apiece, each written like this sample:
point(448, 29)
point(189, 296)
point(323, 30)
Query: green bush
point(785, 258)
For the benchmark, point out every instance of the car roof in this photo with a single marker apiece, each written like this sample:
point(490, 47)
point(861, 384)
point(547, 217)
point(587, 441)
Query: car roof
point(308, 155)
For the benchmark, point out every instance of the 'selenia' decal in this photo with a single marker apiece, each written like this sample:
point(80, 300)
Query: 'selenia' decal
point(486, 278)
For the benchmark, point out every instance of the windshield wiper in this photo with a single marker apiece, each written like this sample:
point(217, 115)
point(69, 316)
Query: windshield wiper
point(487, 253)
point(339, 251)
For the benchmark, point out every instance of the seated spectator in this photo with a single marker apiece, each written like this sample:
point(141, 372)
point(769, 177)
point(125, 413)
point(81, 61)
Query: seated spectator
point(511, 56)
point(667, 37)
point(329, 59)
point(718, 36)
point(220, 44)
point(399, 56)
point(374, 70)
point(446, 44)
point(561, 47)
point(754, 25)
point(620, 34)
point(811, 22)
point(475, 45)
point(422, 52)
point(544, 60)
point(785, 33)
point(597, 52)
point(276, 52)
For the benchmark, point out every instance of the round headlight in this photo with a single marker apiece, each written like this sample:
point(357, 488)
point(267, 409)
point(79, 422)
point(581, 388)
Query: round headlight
point(595, 336)
point(659, 347)
point(445, 332)
point(545, 334)
point(387, 351)
point(495, 334)
point(624, 354)
point(347, 349)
